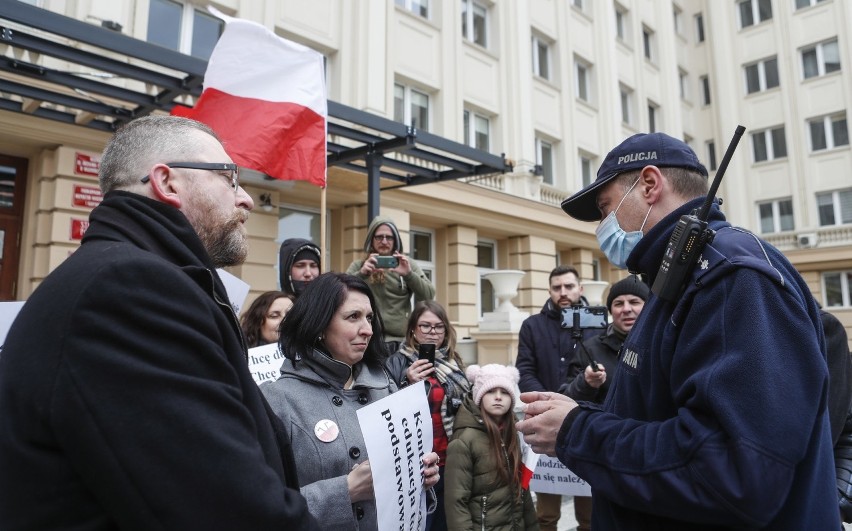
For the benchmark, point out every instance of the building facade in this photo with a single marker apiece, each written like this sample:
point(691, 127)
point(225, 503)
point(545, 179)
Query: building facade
point(550, 84)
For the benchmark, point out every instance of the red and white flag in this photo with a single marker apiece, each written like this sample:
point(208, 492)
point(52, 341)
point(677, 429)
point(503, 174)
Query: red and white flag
point(265, 98)
point(529, 460)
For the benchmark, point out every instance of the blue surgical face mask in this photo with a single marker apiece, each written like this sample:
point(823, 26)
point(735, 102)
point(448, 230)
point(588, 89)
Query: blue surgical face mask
point(615, 243)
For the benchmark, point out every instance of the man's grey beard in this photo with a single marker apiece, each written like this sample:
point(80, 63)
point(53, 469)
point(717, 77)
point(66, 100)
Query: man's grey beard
point(226, 244)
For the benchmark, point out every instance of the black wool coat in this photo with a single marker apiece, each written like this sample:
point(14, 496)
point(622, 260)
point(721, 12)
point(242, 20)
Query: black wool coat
point(125, 397)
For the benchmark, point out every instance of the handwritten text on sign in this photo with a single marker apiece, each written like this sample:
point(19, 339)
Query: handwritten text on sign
point(398, 433)
point(552, 477)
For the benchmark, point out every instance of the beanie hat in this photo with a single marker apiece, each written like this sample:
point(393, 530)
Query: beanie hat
point(308, 253)
point(487, 377)
point(632, 285)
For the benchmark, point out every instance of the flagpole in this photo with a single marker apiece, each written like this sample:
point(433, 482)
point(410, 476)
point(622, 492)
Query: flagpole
point(323, 257)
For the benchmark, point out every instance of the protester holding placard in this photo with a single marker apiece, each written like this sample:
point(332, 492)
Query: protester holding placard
point(446, 384)
point(261, 321)
point(483, 483)
point(332, 339)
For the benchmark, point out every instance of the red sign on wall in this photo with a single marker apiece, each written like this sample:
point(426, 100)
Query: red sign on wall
point(86, 164)
point(86, 196)
point(78, 228)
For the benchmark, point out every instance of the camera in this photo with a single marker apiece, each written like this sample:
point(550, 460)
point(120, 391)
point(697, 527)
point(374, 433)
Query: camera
point(584, 317)
point(387, 262)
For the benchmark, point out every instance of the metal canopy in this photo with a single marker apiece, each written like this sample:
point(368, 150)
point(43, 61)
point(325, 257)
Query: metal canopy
point(62, 69)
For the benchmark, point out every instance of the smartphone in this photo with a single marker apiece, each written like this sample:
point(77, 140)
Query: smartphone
point(427, 352)
point(387, 262)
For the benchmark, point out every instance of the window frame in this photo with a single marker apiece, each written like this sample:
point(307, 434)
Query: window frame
point(627, 104)
point(836, 207)
point(828, 121)
point(776, 216)
point(819, 57)
point(485, 242)
point(761, 70)
point(654, 112)
point(845, 278)
point(187, 31)
point(583, 80)
point(810, 3)
point(547, 170)
point(699, 28)
point(416, 7)
point(538, 43)
point(768, 135)
point(622, 23)
point(712, 161)
point(427, 266)
point(706, 98)
point(469, 8)
point(586, 172)
point(407, 105)
point(755, 12)
point(470, 133)
point(649, 44)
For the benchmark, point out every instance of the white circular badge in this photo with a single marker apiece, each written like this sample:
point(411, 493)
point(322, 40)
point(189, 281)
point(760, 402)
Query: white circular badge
point(326, 430)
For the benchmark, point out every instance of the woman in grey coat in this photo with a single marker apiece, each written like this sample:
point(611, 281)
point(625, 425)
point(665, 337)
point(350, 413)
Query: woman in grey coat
point(332, 338)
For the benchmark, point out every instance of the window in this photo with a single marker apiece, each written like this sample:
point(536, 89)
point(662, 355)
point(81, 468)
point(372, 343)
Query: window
point(711, 154)
point(699, 27)
point(541, 58)
point(418, 7)
point(683, 83)
point(486, 261)
point(586, 169)
point(776, 216)
point(835, 208)
point(475, 22)
point(677, 14)
point(649, 44)
point(544, 158)
point(478, 133)
point(820, 59)
point(828, 132)
point(621, 23)
point(754, 12)
point(411, 106)
point(705, 89)
point(293, 223)
point(653, 116)
point(578, 4)
point(421, 243)
point(183, 28)
point(837, 288)
point(762, 75)
point(801, 4)
point(769, 144)
point(583, 75)
point(626, 105)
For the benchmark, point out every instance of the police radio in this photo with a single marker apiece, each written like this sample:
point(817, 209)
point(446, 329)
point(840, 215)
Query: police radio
point(690, 236)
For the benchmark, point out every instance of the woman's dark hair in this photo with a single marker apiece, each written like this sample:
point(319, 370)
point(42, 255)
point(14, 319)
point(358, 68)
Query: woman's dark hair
point(312, 312)
point(252, 320)
point(449, 336)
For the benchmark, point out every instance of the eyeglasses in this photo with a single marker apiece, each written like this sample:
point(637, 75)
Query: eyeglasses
point(426, 328)
point(215, 167)
point(383, 237)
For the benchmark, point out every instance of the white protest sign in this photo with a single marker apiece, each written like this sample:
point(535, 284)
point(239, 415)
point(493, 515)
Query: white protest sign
point(552, 477)
point(236, 288)
point(265, 363)
point(398, 433)
point(8, 312)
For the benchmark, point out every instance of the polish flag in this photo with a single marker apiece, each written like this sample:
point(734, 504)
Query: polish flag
point(529, 460)
point(265, 98)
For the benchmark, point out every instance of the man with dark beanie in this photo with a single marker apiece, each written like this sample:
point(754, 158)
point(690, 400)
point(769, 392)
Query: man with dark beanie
point(624, 302)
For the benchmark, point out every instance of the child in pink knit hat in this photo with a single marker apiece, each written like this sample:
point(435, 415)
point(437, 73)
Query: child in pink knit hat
point(482, 478)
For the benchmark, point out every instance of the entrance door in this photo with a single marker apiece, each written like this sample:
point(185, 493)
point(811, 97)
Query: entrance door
point(13, 177)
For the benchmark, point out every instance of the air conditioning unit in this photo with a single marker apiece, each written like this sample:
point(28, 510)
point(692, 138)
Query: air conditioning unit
point(807, 240)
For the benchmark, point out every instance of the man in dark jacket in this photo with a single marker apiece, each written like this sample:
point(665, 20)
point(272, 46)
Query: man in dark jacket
point(545, 348)
point(125, 396)
point(716, 417)
point(624, 303)
point(298, 264)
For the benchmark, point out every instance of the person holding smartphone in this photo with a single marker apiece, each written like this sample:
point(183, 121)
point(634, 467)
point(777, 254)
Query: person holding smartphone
point(392, 276)
point(429, 354)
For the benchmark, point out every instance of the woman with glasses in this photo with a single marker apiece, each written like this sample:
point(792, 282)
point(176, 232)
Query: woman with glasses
point(446, 384)
point(392, 276)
